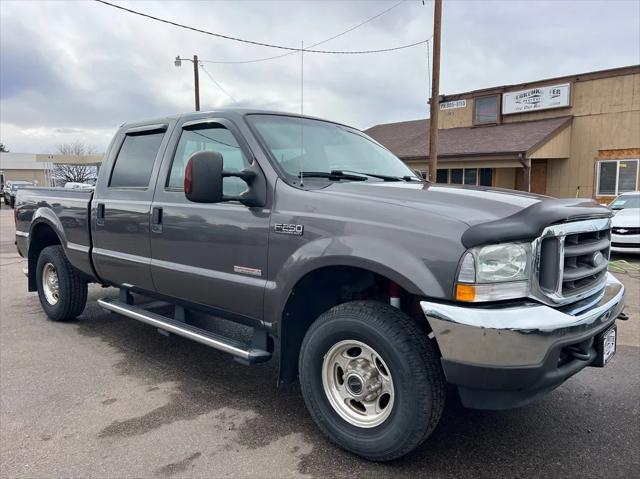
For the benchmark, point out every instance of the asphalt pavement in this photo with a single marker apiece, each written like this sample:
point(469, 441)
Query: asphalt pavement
point(109, 397)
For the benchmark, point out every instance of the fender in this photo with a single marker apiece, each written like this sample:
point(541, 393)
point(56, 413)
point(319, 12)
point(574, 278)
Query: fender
point(373, 254)
point(77, 254)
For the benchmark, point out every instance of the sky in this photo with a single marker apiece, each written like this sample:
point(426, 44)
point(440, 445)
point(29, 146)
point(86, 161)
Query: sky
point(78, 70)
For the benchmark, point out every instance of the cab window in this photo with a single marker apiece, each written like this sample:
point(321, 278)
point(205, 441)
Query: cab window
point(208, 138)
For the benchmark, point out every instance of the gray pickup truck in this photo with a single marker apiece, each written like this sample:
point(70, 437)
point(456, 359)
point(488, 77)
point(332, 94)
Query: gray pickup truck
point(371, 286)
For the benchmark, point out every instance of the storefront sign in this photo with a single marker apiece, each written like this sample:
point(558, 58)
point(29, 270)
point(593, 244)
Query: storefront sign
point(450, 105)
point(539, 98)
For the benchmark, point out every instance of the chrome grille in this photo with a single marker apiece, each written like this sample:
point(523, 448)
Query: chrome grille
point(572, 260)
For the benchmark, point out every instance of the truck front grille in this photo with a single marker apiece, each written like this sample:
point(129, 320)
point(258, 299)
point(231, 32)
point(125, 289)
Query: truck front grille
point(573, 259)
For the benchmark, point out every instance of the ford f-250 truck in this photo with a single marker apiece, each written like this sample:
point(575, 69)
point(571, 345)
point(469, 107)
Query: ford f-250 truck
point(378, 287)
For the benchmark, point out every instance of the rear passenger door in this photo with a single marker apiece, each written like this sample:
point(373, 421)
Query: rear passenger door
point(121, 208)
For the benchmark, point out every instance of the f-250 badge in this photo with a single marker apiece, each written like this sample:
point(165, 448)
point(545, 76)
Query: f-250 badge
point(288, 229)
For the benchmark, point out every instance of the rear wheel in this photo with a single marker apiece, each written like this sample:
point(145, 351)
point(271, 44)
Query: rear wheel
point(371, 379)
point(62, 291)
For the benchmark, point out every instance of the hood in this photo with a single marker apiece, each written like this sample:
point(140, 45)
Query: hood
point(469, 204)
point(493, 214)
point(628, 217)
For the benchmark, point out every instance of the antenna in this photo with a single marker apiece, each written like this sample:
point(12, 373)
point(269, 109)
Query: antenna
point(301, 112)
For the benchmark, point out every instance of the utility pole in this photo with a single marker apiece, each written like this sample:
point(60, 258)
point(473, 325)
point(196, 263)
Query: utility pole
point(196, 81)
point(435, 92)
point(196, 76)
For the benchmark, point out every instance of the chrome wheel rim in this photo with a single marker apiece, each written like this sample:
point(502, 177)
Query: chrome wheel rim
point(50, 284)
point(358, 383)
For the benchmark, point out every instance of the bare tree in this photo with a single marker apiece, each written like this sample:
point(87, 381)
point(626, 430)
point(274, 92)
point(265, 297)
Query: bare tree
point(74, 173)
point(76, 148)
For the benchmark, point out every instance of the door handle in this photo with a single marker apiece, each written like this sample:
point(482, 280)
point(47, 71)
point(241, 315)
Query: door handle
point(100, 214)
point(156, 220)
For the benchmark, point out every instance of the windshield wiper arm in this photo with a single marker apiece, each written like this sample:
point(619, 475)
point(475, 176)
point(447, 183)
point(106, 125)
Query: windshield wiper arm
point(334, 175)
point(379, 176)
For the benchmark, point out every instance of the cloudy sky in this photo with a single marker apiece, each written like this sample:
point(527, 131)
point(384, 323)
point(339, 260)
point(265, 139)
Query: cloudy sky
point(77, 70)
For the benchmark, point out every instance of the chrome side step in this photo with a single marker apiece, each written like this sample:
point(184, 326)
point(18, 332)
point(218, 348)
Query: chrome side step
point(240, 351)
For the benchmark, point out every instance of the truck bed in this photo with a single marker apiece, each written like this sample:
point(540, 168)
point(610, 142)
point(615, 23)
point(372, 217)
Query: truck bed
point(67, 211)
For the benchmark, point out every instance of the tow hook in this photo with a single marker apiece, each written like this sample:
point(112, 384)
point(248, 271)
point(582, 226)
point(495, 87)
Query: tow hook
point(623, 316)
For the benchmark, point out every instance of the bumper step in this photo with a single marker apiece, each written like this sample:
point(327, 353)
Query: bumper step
point(240, 351)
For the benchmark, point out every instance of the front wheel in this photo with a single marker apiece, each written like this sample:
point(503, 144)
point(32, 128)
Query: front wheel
point(371, 379)
point(62, 291)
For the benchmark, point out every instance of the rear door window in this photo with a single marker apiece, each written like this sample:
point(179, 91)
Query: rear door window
point(135, 160)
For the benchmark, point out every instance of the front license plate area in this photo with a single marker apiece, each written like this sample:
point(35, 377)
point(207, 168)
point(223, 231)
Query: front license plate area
point(606, 343)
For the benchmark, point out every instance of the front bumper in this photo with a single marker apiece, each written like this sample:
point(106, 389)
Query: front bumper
point(625, 243)
point(507, 356)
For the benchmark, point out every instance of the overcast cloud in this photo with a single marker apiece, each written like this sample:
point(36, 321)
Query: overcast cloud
point(77, 70)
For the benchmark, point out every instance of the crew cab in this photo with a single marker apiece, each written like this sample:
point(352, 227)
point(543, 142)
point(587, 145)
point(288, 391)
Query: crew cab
point(378, 287)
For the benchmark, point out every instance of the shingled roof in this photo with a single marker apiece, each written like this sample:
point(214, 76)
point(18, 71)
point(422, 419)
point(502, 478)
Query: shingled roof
point(410, 139)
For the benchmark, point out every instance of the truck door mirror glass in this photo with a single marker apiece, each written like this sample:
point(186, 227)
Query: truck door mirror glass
point(203, 177)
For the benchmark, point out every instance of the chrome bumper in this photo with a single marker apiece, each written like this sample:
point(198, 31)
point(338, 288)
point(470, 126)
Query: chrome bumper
point(521, 335)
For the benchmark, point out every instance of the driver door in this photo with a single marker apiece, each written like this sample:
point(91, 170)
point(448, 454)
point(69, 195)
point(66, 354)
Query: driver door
point(210, 254)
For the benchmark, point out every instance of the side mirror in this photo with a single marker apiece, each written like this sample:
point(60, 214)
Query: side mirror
point(203, 181)
point(203, 177)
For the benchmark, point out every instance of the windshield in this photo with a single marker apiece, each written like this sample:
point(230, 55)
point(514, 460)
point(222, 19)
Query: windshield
point(302, 144)
point(625, 201)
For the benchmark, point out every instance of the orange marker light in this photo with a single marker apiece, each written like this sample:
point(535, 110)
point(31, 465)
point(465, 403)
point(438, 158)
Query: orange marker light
point(465, 292)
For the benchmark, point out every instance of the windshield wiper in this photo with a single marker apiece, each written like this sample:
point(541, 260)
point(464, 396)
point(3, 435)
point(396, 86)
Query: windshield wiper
point(334, 175)
point(379, 176)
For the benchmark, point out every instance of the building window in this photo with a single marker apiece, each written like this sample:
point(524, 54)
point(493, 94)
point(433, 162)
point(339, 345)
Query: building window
point(486, 110)
point(617, 176)
point(442, 176)
point(456, 176)
point(470, 176)
point(486, 177)
point(467, 176)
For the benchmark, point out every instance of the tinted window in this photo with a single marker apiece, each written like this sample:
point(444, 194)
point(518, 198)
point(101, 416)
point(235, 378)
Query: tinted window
point(211, 138)
point(442, 176)
point(135, 160)
point(470, 176)
point(486, 109)
point(456, 176)
point(608, 172)
point(486, 176)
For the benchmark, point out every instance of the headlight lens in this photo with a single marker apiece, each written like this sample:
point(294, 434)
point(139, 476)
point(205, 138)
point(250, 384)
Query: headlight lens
point(494, 272)
point(504, 262)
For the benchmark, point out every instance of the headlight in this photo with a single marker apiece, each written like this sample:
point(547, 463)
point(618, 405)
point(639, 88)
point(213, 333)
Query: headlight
point(494, 272)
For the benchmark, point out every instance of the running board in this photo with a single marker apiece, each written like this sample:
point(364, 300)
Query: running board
point(240, 351)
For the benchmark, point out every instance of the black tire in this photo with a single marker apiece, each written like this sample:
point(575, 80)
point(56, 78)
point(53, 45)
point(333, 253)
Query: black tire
point(13, 202)
point(6, 202)
point(412, 359)
point(72, 289)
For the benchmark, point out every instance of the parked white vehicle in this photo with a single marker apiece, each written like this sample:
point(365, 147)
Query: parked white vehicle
point(625, 231)
point(78, 186)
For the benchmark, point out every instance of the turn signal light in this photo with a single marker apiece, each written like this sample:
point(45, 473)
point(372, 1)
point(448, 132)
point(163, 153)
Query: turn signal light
point(465, 292)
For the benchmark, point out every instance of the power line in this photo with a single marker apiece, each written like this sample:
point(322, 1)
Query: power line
point(262, 44)
point(217, 84)
point(257, 60)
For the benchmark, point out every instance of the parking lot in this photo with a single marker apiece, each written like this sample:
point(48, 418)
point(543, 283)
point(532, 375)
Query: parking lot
point(109, 397)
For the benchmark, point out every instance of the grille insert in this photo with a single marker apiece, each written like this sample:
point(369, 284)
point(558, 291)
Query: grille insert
point(573, 259)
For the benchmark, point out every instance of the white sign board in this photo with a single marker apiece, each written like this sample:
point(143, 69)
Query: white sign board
point(450, 105)
point(539, 98)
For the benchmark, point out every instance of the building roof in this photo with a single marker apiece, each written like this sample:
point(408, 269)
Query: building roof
point(592, 75)
point(20, 161)
point(410, 139)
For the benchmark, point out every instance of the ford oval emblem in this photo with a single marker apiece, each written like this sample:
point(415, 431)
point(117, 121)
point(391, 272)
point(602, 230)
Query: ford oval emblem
point(597, 259)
